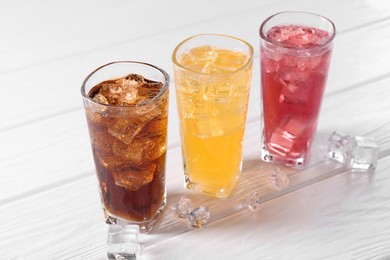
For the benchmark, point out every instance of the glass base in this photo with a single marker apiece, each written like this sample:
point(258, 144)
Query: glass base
point(267, 156)
point(144, 226)
point(223, 192)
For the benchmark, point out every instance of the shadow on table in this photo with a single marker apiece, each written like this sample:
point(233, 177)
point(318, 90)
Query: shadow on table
point(256, 178)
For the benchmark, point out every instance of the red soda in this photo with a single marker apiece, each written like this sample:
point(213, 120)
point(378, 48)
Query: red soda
point(294, 68)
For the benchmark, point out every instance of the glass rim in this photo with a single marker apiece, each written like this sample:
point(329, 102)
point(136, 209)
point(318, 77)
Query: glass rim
point(244, 66)
point(162, 91)
point(322, 45)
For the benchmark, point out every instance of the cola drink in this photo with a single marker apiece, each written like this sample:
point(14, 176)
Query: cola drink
point(127, 119)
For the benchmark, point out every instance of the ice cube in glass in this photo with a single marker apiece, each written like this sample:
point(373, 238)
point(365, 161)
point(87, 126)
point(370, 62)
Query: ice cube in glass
point(283, 138)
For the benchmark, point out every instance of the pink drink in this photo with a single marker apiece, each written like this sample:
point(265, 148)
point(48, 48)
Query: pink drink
point(294, 62)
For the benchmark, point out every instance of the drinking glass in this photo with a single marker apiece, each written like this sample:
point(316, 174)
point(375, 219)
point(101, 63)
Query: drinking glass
point(295, 50)
point(212, 79)
point(129, 141)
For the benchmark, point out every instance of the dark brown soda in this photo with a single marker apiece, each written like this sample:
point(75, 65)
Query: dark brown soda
point(129, 151)
point(138, 205)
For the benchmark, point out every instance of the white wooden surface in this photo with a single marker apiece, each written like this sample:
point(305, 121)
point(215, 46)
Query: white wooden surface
point(49, 206)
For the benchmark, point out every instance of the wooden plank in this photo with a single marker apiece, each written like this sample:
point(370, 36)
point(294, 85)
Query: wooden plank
point(48, 192)
point(63, 154)
point(93, 25)
point(39, 156)
point(66, 222)
point(57, 91)
point(36, 175)
point(300, 225)
point(60, 222)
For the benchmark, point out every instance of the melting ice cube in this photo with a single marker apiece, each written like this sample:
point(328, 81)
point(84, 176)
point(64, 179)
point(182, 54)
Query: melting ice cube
point(279, 179)
point(122, 242)
point(339, 145)
point(253, 200)
point(199, 216)
point(364, 153)
point(182, 208)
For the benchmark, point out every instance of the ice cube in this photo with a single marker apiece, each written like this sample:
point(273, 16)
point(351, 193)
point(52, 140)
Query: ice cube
point(191, 99)
point(199, 217)
point(156, 127)
point(140, 150)
point(127, 91)
point(279, 179)
point(270, 60)
point(208, 67)
point(298, 36)
point(229, 60)
point(129, 88)
point(123, 242)
point(131, 80)
point(339, 146)
point(100, 99)
point(308, 63)
point(111, 92)
point(283, 137)
point(221, 93)
point(290, 69)
point(279, 34)
point(294, 92)
point(147, 92)
point(133, 177)
point(182, 208)
point(253, 200)
point(125, 129)
point(200, 59)
point(364, 153)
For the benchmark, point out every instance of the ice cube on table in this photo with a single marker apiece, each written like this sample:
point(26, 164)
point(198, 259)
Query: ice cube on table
point(283, 138)
point(182, 208)
point(279, 179)
point(123, 242)
point(253, 200)
point(339, 145)
point(364, 153)
point(199, 217)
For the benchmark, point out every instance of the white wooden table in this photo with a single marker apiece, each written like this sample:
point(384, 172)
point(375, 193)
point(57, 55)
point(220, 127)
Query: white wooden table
point(49, 204)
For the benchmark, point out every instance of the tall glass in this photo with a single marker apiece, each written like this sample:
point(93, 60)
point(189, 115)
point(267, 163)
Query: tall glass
point(295, 54)
point(212, 79)
point(129, 140)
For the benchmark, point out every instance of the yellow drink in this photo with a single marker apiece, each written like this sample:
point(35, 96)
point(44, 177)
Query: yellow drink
point(212, 88)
